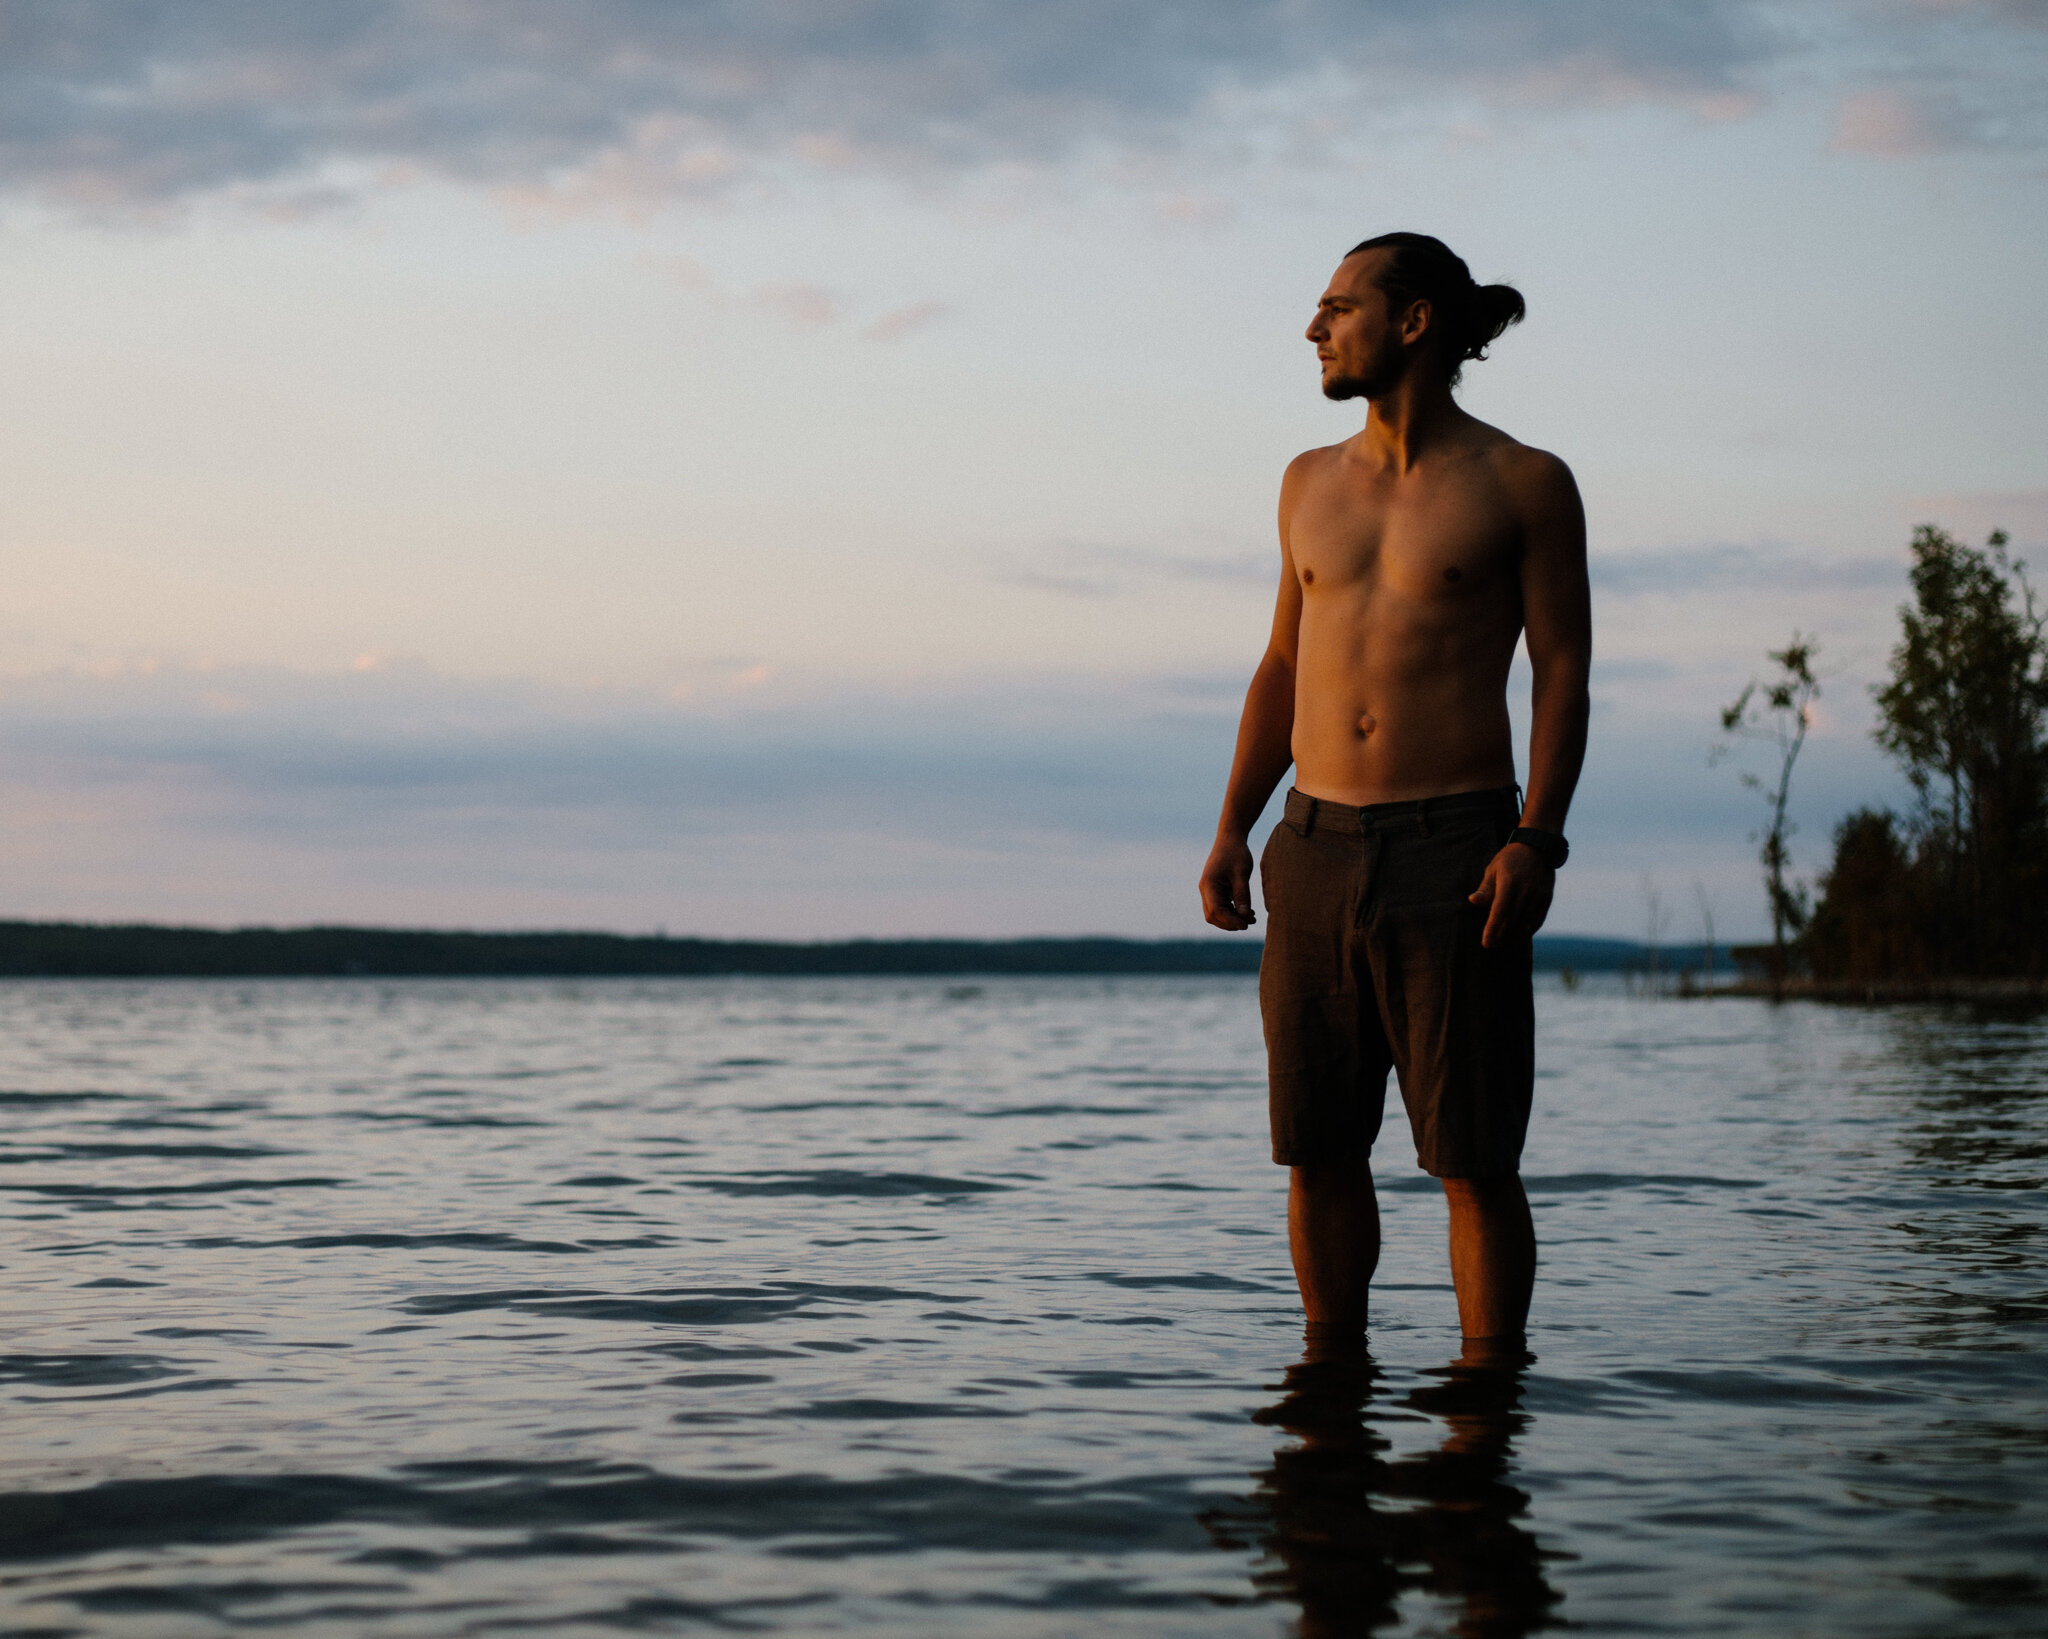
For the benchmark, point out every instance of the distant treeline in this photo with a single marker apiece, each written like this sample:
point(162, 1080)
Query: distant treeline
point(51, 950)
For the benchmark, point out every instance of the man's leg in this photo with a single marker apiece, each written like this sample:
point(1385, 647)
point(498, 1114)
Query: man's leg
point(1493, 1255)
point(1333, 1230)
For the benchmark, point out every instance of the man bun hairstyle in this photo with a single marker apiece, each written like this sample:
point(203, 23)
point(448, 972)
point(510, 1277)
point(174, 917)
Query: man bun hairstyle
point(1469, 316)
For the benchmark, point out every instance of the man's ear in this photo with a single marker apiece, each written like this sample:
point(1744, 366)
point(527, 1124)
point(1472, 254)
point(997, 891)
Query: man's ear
point(1415, 322)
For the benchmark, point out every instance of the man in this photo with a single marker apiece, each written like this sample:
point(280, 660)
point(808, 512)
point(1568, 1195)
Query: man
point(1406, 879)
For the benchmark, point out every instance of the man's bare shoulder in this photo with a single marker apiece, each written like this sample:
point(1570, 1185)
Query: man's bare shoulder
point(1304, 470)
point(1544, 497)
point(1310, 462)
point(1528, 473)
point(1536, 484)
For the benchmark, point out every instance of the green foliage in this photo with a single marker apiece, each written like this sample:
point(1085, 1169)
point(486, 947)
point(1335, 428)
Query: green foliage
point(1956, 889)
point(1963, 709)
point(1872, 916)
point(1778, 711)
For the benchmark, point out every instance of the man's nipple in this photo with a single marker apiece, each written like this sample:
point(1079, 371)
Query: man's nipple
point(1366, 724)
point(1308, 577)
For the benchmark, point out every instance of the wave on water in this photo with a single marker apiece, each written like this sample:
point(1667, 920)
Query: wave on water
point(810, 1514)
point(728, 1306)
point(839, 1181)
point(75, 1371)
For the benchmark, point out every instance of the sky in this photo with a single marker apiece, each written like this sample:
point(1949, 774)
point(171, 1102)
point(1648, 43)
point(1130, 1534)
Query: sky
point(806, 468)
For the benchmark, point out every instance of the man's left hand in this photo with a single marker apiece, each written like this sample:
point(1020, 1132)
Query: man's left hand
point(1515, 894)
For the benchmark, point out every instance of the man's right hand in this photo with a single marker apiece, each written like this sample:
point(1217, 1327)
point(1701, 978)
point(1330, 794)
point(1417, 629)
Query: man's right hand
point(1227, 886)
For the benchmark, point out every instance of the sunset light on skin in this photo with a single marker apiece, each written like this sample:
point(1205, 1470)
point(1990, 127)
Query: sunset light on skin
point(633, 466)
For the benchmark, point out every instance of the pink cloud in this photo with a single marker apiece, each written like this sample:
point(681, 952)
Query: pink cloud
point(902, 321)
point(808, 307)
point(1885, 125)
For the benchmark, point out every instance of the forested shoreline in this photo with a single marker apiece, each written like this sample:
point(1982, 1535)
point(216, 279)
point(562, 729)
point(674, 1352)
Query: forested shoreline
point(1956, 888)
point(49, 950)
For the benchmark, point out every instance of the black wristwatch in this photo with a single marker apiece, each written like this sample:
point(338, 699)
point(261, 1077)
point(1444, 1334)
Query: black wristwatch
point(1548, 846)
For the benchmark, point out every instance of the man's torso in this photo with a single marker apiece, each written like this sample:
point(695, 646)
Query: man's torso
point(1411, 605)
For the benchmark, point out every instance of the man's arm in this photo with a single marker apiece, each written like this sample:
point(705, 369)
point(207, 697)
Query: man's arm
point(1557, 618)
point(1265, 736)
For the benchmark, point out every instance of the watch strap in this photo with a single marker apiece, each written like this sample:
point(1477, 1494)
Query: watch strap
point(1548, 846)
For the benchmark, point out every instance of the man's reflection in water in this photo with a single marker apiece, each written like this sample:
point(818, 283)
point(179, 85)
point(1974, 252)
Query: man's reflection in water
point(1348, 1529)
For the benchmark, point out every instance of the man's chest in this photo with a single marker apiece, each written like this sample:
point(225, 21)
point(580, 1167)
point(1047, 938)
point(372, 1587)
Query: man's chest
point(1423, 540)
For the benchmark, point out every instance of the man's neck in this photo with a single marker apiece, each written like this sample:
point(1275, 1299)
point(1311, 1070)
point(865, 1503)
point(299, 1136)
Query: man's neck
point(1404, 423)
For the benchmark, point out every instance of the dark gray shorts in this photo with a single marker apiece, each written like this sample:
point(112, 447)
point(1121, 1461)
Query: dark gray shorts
point(1373, 962)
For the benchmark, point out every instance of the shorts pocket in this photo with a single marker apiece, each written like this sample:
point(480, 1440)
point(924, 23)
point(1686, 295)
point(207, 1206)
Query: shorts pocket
point(1441, 869)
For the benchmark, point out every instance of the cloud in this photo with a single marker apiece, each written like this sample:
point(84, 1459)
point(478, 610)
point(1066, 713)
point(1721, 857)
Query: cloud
point(1893, 124)
point(1943, 76)
point(364, 751)
point(994, 806)
point(1973, 514)
point(1773, 569)
point(806, 306)
point(1721, 566)
point(905, 321)
point(1100, 571)
point(122, 105)
point(801, 305)
point(403, 795)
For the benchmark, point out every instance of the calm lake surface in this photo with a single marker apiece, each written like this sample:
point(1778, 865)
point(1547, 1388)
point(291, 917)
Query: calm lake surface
point(917, 1307)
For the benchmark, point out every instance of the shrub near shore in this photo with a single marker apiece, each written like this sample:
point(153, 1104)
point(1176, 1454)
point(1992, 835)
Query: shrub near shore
point(1957, 888)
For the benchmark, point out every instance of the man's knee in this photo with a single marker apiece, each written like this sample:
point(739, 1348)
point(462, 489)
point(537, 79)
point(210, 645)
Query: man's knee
point(1330, 1180)
point(1483, 1192)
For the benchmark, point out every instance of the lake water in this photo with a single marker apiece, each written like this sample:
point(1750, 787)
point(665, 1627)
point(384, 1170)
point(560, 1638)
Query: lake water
point(917, 1307)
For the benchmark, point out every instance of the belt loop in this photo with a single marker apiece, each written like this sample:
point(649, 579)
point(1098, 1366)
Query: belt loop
point(1422, 817)
point(1308, 820)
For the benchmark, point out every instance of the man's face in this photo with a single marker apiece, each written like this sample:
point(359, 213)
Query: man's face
point(1356, 333)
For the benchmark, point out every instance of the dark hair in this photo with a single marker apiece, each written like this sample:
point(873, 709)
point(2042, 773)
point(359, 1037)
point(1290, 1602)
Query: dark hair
point(1469, 317)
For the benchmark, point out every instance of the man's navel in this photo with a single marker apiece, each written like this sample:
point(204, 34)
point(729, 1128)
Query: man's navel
point(1366, 724)
point(1454, 573)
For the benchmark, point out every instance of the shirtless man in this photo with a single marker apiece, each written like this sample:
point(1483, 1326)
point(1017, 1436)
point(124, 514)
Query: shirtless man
point(1406, 880)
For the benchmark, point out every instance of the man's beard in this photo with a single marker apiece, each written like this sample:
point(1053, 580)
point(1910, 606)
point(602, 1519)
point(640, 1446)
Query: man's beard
point(1377, 381)
point(1380, 376)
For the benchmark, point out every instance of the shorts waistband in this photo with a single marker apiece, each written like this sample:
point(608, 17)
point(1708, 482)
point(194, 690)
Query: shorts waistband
point(1306, 813)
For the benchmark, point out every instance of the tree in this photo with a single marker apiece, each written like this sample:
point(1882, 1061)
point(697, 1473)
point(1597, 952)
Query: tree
point(1656, 922)
point(1964, 712)
point(1778, 712)
point(1874, 905)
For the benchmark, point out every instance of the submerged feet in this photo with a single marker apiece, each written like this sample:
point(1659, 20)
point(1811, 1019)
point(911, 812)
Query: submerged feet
point(1332, 1340)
